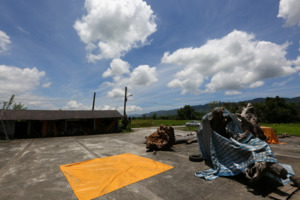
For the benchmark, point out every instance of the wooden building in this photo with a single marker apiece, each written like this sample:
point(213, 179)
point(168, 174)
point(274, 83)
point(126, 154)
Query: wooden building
point(47, 123)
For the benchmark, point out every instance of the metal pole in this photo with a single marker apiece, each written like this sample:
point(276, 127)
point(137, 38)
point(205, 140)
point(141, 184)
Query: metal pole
point(125, 99)
point(94, 101)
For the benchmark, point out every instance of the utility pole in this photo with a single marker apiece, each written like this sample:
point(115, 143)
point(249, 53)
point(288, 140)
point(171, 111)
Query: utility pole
point(94, 101)
point(125, 100)
point(125, 120)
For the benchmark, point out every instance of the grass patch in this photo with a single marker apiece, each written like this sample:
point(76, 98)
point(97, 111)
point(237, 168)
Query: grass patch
point(290, 129)
point(188, 128)
point(138, 123)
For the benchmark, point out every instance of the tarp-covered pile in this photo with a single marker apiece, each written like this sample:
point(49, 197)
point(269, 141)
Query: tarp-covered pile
point(230, 156)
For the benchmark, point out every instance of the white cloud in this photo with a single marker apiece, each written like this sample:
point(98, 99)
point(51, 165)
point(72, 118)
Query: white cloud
point(297, 62)
point(234, 62)
point(289, 10)
point(22, 30)
point(4, 41)
point(118, 67)
point(111, 28)
point(132, 109)
point(143, 75)
point(32, 101)
point(129, 109)
point(39, 104)
point(74, 105)
point(276, 84)
point(46, 85)
point(188, 81)
point(115, 93)
point(14, 80)
point(256, 84)
point(233, 92)
point(107, 107)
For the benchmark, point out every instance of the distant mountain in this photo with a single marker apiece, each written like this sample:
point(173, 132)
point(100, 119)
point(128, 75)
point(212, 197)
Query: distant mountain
point(295, 100)
point(206, 107)
point(162, 113)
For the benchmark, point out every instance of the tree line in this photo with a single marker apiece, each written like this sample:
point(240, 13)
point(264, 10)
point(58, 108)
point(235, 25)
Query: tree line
point(272, 110)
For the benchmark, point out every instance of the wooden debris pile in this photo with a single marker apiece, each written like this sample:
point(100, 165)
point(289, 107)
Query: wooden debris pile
point(162, 139)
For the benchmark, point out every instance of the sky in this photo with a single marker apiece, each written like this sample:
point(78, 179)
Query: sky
point(56, 54)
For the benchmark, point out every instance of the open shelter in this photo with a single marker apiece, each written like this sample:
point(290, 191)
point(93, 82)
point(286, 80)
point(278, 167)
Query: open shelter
point(45, 123)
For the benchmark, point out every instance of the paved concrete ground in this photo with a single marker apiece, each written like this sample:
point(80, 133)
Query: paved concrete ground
point(29, 168)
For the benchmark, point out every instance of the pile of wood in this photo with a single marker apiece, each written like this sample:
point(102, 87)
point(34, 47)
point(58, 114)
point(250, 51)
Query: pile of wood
point(162, 139)
point(249, 122)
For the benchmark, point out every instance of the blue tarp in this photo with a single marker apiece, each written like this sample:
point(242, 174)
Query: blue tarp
point(228, 156)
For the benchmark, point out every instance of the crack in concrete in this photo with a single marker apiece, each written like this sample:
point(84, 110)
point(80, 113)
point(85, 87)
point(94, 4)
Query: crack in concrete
point(4, 169)
point(86, 148)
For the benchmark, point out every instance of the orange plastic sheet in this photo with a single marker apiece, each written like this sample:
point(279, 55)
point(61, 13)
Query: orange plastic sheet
point(93, 178)
point(269, 133)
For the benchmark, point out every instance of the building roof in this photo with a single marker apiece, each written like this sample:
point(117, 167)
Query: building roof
point(57, 114)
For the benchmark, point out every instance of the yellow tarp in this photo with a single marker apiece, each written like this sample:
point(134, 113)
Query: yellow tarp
point(269, 133)
point(93, 178)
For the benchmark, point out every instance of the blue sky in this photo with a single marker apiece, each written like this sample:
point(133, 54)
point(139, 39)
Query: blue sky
point(55, 54)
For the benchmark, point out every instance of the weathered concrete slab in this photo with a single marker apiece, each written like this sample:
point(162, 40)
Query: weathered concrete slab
point(29, 169)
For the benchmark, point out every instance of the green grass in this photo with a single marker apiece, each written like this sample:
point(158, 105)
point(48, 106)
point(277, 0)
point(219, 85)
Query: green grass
point(290, 129)
point(138, 123)
point(188, 128)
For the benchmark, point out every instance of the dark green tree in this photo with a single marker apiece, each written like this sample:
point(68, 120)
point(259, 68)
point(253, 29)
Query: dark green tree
point(199, 115)
point(276, 110)
point(214, 104)
point(187, 112)
point(154, 116)
point(234, 107)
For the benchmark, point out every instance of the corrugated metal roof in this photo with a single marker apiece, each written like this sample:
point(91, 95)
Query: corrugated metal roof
point(57, 114)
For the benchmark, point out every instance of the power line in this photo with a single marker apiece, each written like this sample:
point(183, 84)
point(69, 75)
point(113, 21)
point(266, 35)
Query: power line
point(46, 99)
point(21, 99)
point(156, 103)
point(112, 101)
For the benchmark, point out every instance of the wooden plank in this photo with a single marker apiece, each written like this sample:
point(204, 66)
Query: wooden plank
point(283, 192)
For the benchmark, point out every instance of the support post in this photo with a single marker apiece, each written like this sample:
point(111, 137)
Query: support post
point(125, 119)
point(125, 100)
point(94, 101)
